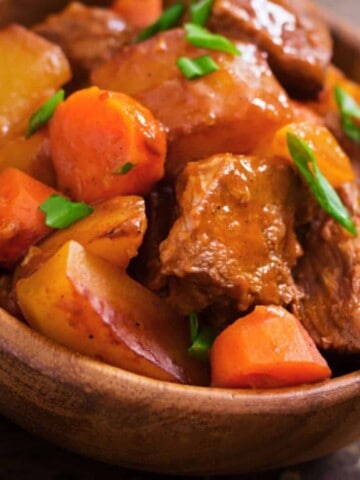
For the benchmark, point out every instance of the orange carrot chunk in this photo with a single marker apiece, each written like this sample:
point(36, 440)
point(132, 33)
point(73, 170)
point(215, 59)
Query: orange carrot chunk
point(138, 13)
point(333, 162)
point(268, 348)
point(105, 144)
point(21, 222)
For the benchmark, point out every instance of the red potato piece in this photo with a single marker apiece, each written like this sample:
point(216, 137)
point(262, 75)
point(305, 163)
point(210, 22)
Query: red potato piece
point(114, 232)
point(93, 134)
point(21, 221)
point(268, 348)
point(96, 309)
point(23, 89)
point(227, 111)
point(30, 155)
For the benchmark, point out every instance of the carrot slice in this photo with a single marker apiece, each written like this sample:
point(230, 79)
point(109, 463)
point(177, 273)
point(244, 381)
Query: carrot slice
point(21, 222)
point(326, 101)
point(105, 144)
point(333, 162)
point(138, 13)
point(268, 348)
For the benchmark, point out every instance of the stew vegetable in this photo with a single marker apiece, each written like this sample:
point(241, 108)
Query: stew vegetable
point(179, 189)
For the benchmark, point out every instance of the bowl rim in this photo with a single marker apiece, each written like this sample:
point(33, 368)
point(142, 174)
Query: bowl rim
point(18, 341)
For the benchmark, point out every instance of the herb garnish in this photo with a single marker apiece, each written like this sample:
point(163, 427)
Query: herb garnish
point(350, 112)
point(44, 113)
point(202, 38)
point(200, 11)
point(304, 159)
point(124, 169)
point(61, 212)
point(169, 19)
point(202, 338)
point(196, 67)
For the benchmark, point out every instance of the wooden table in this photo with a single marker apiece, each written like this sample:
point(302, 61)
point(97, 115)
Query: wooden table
point(26, 457)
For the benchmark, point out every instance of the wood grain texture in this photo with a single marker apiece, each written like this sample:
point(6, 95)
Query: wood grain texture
point(122, 418)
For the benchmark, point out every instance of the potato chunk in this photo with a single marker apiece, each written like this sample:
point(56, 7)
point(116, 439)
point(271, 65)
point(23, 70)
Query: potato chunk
point(32, 69)
point(114, 232)
point(30, 155)
point(227, 111)
point(96, 309)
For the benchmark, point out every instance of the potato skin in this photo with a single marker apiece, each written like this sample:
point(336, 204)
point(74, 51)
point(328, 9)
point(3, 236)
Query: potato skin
point(95, 309)
point(114, 232)
point(30, 155)
point(227, 111)
point(23, 55)
point(93, 134)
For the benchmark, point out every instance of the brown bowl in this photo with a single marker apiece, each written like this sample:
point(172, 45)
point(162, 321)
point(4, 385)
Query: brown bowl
point(122, 418)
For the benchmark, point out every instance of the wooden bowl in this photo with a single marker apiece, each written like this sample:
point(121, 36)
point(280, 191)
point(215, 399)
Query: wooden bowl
point(122, 418)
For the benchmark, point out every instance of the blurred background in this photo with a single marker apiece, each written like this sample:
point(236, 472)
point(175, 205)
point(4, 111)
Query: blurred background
point(347, 9)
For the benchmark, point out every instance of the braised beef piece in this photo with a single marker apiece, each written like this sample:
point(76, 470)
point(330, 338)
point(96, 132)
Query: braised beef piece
point(233, 242)
point(291, 31)
point(328, 275)
point(88, 35)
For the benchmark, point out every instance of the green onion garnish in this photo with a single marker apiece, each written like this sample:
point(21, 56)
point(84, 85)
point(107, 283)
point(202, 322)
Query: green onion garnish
point(196, 67)
point(44, 113)
point(326, 196)
point(61, 212)
point(202, 38)
point(200, 11)
point(202, 339)
point(169, 19)
point(124, 169)
point(350, 111)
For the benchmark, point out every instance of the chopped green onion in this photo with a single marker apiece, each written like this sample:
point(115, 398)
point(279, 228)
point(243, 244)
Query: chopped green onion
point(202, 38)
point(196, 67)
point(44, 113)
point(61, 212)
point(326, 196)
point(200, 11)
point(349, 110)
point(201, 339)
point(169, 19)
point(194, 326)
point(124, 169)
point(351, 129)
point(347, 103)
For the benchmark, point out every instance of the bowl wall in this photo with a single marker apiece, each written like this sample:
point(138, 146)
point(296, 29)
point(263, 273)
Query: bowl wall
point(126, 419)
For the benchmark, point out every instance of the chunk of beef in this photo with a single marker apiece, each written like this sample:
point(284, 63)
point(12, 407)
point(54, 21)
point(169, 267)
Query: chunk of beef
point(230, 110)
point(88, 35)
point(329, 276)
point(233, 241)
point(291, 31)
